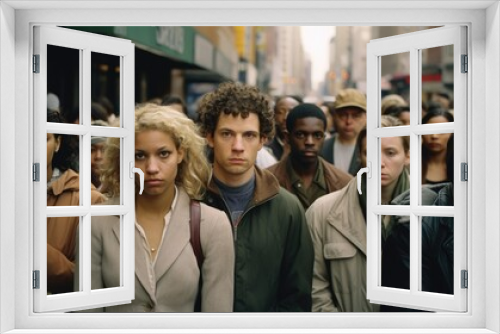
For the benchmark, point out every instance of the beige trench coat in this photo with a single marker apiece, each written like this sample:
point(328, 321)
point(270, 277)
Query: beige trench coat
point(338, 230)
point(176, 269)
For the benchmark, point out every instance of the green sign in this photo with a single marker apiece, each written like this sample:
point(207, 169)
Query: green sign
point(173, 41)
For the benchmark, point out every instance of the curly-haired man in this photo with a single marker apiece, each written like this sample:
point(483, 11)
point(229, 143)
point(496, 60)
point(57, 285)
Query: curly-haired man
point(274, 254)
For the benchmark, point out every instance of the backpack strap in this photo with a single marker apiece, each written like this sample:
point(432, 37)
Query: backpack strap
point(194, 225)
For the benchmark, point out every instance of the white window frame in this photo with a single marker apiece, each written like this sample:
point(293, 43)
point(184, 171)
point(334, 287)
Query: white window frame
point(413, 44)
point(483, 20)
point(84, 44)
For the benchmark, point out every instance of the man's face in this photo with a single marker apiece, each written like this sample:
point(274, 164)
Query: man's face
point(282, 109)
point(349, 121)
point(306, 139)
point(235, 141)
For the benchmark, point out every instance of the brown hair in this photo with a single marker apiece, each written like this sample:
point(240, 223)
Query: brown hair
point(236, 99)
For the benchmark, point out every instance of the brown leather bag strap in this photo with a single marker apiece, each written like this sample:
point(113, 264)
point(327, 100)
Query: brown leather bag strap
point(194, 224)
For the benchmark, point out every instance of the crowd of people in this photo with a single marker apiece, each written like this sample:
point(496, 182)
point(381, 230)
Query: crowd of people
point(253, 206)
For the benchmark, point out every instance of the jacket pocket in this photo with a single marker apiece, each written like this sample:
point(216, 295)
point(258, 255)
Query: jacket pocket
point(343, 268)
point(337, 251)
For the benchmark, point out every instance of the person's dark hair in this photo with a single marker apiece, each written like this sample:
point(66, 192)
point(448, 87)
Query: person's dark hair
point(433, 105)
point(359, 140)
point(173, 99)
point(443, 95)
point(436, 112)
point(395, 111)
point(297, 98)
point(98, 112)
point(330, 106)
point(304, 110)
point(106, 103)
point(236, 99)
point(67, 156)
point(282, 97)
point(431, 113)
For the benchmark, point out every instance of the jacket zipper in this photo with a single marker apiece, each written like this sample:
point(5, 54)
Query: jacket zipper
point(235, 225)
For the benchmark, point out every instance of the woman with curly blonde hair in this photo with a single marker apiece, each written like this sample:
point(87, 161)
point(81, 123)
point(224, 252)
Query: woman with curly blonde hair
point(170, 152)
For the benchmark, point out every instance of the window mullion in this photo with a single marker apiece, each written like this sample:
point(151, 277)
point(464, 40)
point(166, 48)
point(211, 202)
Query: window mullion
point(85, 173)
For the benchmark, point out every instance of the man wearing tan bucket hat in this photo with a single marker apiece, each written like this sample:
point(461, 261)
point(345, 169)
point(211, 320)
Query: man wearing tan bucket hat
point(349, 118)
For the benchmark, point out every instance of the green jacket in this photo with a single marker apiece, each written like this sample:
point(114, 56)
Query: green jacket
point(273, 248)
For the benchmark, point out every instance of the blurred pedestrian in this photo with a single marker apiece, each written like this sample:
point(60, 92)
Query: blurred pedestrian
point(434, 168)
point(391, 100)
point(281, 109)
point(328, 109)
point(349, 118)
point(400, 112)
point(63, 189)
point(274, 255)
point(97, 148)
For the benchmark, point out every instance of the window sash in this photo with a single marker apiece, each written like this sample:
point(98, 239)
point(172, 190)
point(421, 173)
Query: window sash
point(413, 43)
point(86, 44)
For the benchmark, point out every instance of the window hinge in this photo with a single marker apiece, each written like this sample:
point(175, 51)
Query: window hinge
point(464, 171)
point(36, 279)
point(465, 64)
point(465, 279)
point(36, 172)
point(36, 63)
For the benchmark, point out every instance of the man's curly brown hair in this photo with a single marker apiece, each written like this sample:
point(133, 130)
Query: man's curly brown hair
point(236, 99)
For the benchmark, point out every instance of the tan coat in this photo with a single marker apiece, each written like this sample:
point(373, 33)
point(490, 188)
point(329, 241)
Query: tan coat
point(176, 269)
point(338, 230)
point(61, 231)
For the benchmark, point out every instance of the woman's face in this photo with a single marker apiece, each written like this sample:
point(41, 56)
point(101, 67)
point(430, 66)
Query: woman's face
point(436, 143)
point(394, 159)
point(157, 157)
point(53, 143)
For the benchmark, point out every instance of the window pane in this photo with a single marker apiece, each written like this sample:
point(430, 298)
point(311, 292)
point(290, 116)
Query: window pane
point(105, 167)
point(63, 164)
point(61, 254)
point(437, 254)
point(396, 252)
point(105, 250)
point(395, 86)
point(437, 162)
point(105, 89)
point(63, 82)
point(437, 78)
point(394, 176)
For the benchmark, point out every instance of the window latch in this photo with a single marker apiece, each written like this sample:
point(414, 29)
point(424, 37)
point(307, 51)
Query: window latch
point(368, 171)
point(141, 175)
